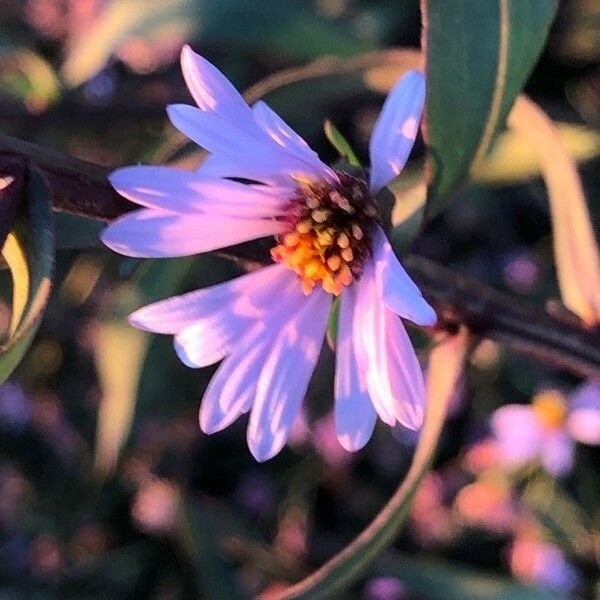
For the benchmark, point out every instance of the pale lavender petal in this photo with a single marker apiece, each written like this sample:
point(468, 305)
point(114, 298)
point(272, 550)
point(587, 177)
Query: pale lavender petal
point(396, 129)
point(365, 343)
point(557, 452)
point(245, 155)
point(246, 166)
point(354, 413)
point(212, 91)
point(178, 191)
point(229, 316)
point(285, 376)
point(175, 314)
point(232, 389)
point(270, 122)
point(395, 287)
point(584, 414)
point(393, 374)
point(518, 433)
point(151, 233)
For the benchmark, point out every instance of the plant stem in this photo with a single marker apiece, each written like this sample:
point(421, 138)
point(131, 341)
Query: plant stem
point(82, 188)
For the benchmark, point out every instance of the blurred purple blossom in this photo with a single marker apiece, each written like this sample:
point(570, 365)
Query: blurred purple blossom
point(542, 564)
point(15, 408)
point(546, 429)
point(384, 588)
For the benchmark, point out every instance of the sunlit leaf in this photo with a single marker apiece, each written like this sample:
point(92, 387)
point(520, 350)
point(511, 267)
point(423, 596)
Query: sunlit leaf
point(121, 351)
point(576, 252)
point(28, 77)
point(293, 28)
point(478, 57)
point(119, 20)
point(29, 253)
point(513, 159)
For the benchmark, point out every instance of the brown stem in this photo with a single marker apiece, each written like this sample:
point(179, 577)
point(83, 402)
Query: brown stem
point(77, 186)
point(82, 188)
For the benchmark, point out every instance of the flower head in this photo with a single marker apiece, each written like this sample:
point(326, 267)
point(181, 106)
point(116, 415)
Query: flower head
point(269, 325)
point(546, 429)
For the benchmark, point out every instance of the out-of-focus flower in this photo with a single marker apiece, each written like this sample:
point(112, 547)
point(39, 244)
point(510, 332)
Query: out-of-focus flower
point(384, 588)
point(329, 243)
point(15, 408)
point(46, 558)
point(155, 506)
point(544, 431)
point(291, 541)
point(522, 272)
point(487, 503)
point(326, 444)
point(542, 564)
point(583, 421)
point(13, 495)
point(431, 520)
point(255, 494)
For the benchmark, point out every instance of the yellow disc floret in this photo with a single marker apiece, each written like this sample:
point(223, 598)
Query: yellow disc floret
point(551, 408)
point(329, 236)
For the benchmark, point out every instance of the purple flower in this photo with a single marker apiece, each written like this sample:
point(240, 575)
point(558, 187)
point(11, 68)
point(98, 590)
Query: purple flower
point(270, 323)
point(542, 564)
point(546, 429)
point(583, 422)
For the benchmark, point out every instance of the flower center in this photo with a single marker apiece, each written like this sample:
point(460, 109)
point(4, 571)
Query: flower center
point(330, 233)
point(551, 408)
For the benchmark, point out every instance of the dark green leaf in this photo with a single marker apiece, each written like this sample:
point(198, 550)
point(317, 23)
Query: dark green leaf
point(436, 580)
point(75, 231)
point(196, 531)
point(29, 252)
point(479, 55)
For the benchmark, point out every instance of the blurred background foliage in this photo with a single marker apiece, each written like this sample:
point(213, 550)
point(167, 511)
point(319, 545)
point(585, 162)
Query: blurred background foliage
point(107, 486)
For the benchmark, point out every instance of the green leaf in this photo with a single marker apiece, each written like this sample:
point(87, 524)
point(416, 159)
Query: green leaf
point(293, 30)
point(478, 55)
point(438, 580)
point(512, 159)
point(196, 532)
point(121, 352)
point(332, 323)
point(27, 76)
point(340, 143)
point(119, 20)
point(76, 232)
point(446, 365)
point(29, 253)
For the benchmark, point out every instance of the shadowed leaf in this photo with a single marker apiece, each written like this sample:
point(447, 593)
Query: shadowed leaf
point(478, 56)
point(29, 253)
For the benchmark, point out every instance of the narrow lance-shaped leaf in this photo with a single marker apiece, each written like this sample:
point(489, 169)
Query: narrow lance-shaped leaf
point(478, 57)
point(576, 252)
point(29, 253)
point(340, 143)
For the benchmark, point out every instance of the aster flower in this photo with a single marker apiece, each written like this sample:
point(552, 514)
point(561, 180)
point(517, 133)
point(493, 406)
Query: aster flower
point(269, 325)
point(546, 430)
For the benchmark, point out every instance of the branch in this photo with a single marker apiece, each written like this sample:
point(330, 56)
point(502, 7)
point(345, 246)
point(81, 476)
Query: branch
point(78, 187)
point(81, 188)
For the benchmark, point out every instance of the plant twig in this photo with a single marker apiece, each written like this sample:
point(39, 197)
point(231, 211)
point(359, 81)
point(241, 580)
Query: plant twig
point(78, 187)
point(81, 188)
